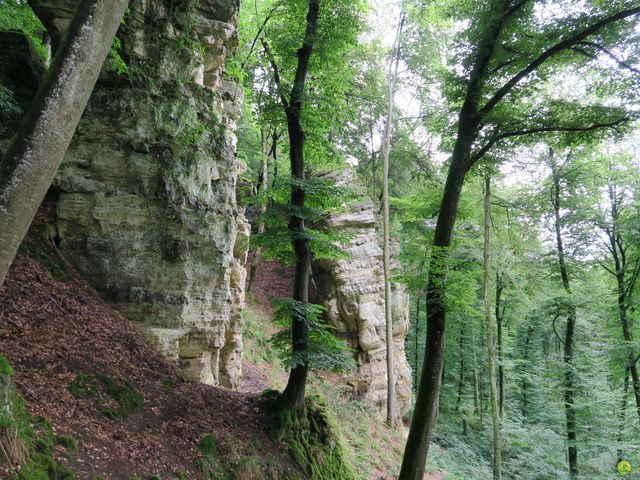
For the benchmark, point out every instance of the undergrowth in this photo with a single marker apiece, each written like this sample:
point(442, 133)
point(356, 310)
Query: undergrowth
point(115, 399)
point(27, 443)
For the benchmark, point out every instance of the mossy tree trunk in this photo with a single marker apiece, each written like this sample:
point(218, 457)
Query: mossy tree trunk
point(33, 158)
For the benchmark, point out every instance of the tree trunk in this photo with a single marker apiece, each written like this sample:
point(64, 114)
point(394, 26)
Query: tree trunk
point(499, 317)
point(386, 142)
point(264, 186)
point(569, 381)
point(618, 254)
point(32, 159)
point(417, 331)
point(294, 393)
point(495, 415)
point(476, 395)
point(623, 415)
point(525, 382)
point(461, 377)
point(424, 415)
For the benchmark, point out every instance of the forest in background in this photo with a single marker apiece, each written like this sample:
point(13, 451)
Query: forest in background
point(550, 92)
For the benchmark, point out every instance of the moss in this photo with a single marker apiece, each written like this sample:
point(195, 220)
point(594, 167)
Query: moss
point(5, 367)
point(210, 463)
point(47, 256)
point(311, 441)
point(83, 386)
point(124, 394)
point(68, 442)
point(32, 440)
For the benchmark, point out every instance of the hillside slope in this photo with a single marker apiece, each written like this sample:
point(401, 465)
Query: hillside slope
point(82, 365)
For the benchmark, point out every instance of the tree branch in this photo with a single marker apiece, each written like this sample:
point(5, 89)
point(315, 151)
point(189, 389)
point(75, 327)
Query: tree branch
point(610, 54)
point(557, 48)
point(276, 72)
point(495, 138)
point(260, 30)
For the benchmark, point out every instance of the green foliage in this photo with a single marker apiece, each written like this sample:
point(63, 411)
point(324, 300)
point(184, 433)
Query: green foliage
point(116, 400)
point(5, 367)
point(115, 59)
point(210, 464)
point(324, 350)
point(322, 199)
point(29, 442)
point(17, 15)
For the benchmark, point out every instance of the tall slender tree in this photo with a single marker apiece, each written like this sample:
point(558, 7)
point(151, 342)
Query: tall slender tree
point(569, 373)
point(294, 393)
point(493, 397)
point(386, 148)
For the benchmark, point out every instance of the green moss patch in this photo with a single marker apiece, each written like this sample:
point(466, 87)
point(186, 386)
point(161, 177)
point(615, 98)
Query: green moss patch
point(28, 443)
point(115, 399)
point(311, 441)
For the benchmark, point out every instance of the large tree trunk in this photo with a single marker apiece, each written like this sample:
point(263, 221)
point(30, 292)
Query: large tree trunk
point(32, 159)
point(424, 415)
point(386, 148)
point(495, 415)
point(569, 374)
point(294, 393)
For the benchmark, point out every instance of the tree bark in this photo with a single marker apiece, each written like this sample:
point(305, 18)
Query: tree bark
point(36, 152)
point(391, 382)
point(264, 186)
point(293, 395)
point(499, 317)
point(624, 287)
point(495, 415)
point(417, 331)
point(461, 376)
point(424, 415)
point(569, 374)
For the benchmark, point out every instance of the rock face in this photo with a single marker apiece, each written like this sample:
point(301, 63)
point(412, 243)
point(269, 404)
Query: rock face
point(146, 207)
point(352, 290)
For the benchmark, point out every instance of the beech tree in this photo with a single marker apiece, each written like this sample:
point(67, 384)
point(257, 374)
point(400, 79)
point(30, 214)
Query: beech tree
point(31, 161)
point(496, 96)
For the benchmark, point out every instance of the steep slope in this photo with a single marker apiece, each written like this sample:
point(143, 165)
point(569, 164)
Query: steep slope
point(82, 365)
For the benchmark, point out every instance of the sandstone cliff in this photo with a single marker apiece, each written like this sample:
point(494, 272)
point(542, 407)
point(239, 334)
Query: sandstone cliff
point(146, 205)
point(352, 290)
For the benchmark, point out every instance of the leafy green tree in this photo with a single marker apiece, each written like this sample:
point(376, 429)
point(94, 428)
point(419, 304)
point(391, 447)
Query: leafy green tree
point(503, 58)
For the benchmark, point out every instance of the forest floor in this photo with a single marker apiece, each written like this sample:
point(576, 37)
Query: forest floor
point(57, 333)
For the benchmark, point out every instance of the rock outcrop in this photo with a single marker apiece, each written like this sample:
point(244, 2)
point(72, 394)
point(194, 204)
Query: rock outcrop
point(352, 291)
point(146, 193)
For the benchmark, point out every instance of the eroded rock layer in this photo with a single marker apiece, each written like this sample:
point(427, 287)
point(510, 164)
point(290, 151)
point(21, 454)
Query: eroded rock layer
point(352, 290)
point(146, 207)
